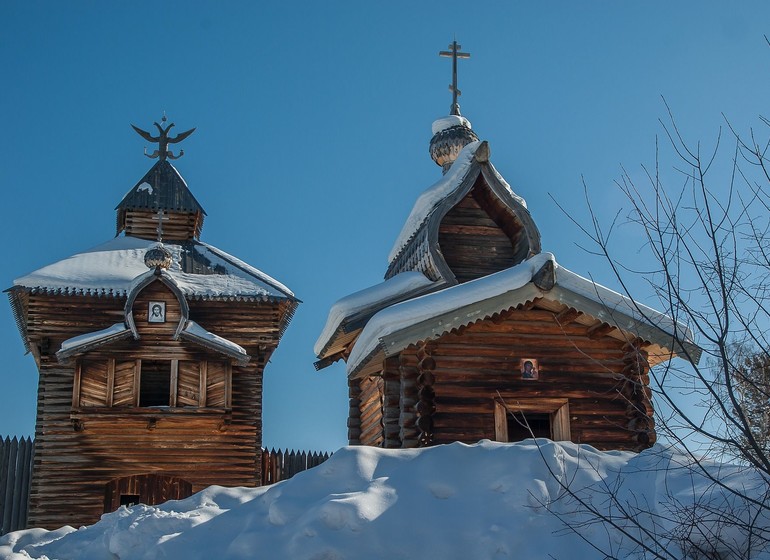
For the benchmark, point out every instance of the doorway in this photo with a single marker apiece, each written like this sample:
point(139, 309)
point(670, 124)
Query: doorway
point(516, 420)
point(149, 489)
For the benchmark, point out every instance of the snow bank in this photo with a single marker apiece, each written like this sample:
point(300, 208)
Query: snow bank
point(489, 500)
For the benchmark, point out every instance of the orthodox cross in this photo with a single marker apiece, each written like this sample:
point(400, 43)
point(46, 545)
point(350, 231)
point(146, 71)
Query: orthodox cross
point(163, 140)
point(455, 54)
point(161, 218)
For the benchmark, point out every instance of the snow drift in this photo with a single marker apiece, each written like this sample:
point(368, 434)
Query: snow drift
point(488, 500)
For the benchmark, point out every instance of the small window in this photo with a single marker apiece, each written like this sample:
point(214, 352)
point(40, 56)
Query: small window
point(155, 384)
point(129, 500)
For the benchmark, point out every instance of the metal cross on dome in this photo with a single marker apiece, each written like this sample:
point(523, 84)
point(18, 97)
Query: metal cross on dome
point(455, 54)
point(161, 217)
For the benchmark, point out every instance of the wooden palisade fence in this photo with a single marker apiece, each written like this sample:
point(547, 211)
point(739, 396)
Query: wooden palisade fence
point(16, 456)
point(281, 465)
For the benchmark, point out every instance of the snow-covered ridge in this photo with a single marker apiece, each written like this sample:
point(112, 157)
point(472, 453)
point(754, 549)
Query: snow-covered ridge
point(488, 500)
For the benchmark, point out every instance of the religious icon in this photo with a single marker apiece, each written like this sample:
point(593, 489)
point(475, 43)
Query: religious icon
point(157, 312)
point(529, 368)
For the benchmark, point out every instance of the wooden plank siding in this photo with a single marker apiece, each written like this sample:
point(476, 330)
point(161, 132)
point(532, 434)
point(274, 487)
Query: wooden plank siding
point(81, 450)
point(468, 371)
point(472, 242)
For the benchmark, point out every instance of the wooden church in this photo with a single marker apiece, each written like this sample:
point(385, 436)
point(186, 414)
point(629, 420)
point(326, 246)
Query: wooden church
point(478, 334)
point(151, 350)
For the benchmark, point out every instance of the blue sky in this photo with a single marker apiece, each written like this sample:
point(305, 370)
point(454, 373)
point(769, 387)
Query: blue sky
point(313, 127)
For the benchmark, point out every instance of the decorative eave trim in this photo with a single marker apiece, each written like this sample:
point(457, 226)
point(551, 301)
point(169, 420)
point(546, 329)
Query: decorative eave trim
point(19, 314)
point(428, 231)
point(438, 325)
point(142, 282)
point(240, 355)
point(63, 356)
point(357, 321)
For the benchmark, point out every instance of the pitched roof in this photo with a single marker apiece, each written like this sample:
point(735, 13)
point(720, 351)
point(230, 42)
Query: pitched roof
point(417, 244)
point(162, 187)
point(200, 270)
point(396, 327)
point(349, 314)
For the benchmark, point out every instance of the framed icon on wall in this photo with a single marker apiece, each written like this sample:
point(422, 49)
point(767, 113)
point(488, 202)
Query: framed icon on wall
point(157, 312)
point(529, 368)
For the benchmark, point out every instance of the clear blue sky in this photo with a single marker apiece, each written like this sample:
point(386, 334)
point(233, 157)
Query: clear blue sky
point(313, 128)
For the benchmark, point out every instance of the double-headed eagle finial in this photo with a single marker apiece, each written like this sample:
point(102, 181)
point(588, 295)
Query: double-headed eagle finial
point(163, 140)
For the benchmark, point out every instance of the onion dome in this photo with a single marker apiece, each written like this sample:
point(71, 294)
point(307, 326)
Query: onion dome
point(158, 257)
point(450, 135)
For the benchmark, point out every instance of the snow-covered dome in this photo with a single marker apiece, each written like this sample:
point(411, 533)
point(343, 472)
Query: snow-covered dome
point(450, 135)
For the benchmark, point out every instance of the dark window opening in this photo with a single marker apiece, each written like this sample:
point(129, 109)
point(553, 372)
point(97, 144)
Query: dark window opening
point(155, 384)
point(520, 425)
point(129, 500)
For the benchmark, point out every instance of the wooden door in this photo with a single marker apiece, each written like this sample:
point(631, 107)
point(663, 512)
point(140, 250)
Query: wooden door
point(150, 489)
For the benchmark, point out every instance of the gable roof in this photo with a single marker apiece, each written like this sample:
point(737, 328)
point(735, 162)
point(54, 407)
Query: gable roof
point(161, 187)
point(427, 317)
point(417, 245)
point(349, 315)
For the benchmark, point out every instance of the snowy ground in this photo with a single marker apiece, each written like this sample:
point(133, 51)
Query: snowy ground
point(488, 500)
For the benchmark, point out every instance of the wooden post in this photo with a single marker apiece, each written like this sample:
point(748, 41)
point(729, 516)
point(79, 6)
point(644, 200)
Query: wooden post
point(76, 385)
point(354, 412)
point(408, 402)
point(203, 384)
point(391, 404)
point(110, 381)
point(174, 382)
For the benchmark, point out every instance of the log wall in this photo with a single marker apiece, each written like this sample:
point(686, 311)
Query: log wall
point(447, 390)
point(371, 399)
point(81, 450)
point(473, 367)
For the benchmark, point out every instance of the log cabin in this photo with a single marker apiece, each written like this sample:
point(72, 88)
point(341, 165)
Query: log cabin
point(151, 350)
point(476, 333)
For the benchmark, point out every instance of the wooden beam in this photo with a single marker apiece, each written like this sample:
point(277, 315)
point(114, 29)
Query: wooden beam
point(599, 330)
point(76, 386)
point(174, 382)
point(567, 315)
point(204, 381)
point(110, 380)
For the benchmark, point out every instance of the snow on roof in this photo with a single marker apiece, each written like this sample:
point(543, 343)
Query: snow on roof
point(92, 337)
point(419, 309)
point(405, 314)
point(486, 500)
point(198, 332)
point(111, 268)
point(430, 198)
point(448, 122)
point(369, 297)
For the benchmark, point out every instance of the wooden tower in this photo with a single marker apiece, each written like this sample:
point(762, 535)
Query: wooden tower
point(475, 333)
point(151, 350)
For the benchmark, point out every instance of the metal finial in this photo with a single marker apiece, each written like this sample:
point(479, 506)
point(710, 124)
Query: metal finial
point(163, 140)
point(455, 54)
